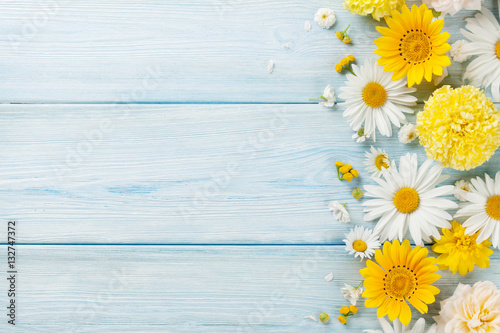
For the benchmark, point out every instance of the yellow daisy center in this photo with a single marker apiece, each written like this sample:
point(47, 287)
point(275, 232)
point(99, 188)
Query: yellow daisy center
point(497, 50)
point(324, 17)
point(400, 283)
point(380, 161)
point(359, 245)
point(406, 200)
point(374, 94)
point(493, 207)
point(415, 47)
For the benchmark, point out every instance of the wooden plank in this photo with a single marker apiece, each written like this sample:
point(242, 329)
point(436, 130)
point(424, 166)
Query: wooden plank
point(192, 288)
point(179, 51)
point(170, 174)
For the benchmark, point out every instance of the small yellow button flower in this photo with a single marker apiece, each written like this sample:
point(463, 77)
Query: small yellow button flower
point(351, 58)
point(342, 320)
point(338, 164)
point(344, 310)
point(347, 40)
point(324, 317)
point(345, 168)
point(348, 176)
point(355, 172)
point(353, 308)
point(344, 62)
point(357, 193)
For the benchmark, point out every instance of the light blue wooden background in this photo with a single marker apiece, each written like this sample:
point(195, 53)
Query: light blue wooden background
point(164, 181)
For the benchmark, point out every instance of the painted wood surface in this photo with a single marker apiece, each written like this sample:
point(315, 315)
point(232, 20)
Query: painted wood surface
point(180, 51)
point(163, 181)
point(190, 174)
point(193, 288)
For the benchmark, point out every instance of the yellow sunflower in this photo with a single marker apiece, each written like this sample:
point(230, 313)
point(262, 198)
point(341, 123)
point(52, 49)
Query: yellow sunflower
point(413, 46)
point(402, 274)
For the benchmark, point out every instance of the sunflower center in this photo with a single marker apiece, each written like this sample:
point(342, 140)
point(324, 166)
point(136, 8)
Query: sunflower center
point(374, 94)
point(415, 47)
point(359, 245)
point(400, 283)
point(406, 200)
point(493, 207)
point(381, 161)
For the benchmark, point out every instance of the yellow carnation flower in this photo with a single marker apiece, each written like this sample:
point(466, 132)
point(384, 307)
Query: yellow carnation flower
point(375, 8)
point(459, 127)
point(461, 252)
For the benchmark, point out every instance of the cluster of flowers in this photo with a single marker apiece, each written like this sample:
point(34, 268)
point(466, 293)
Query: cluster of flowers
point(459, 128)
point(345, 171)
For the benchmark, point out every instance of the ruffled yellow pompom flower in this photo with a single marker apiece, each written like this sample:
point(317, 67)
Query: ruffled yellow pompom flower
point(460, 252)
point(402, 274)
point(459, 127)
point(413, 45)
point(376, 8)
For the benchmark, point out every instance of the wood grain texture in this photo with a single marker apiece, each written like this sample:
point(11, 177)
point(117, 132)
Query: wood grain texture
point(193, 288)
point(180, 51)
point(190, 174)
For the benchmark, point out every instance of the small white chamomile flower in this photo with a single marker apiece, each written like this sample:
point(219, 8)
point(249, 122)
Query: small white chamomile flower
point(361, 242)
point(460, 186)
point(350, 293)
point(325, 18)
point(407, 133)
point(376, 160)
point(360, 135)
point(438, 79)
point(339, 212)
point(329, 97)
point(456, 51)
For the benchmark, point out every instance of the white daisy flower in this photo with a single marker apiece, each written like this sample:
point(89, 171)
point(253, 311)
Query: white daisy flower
point(419, 327)
point(484, 34)
point(456, 51)
point(407, 133)
point(325, 18)
point(329, 97)
point(374, 99)
point(361, 242)
point(376, 160)
point(483, 207)
point(350, 293)
point(409, 199)
point(460, 186)
point(339, 212)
